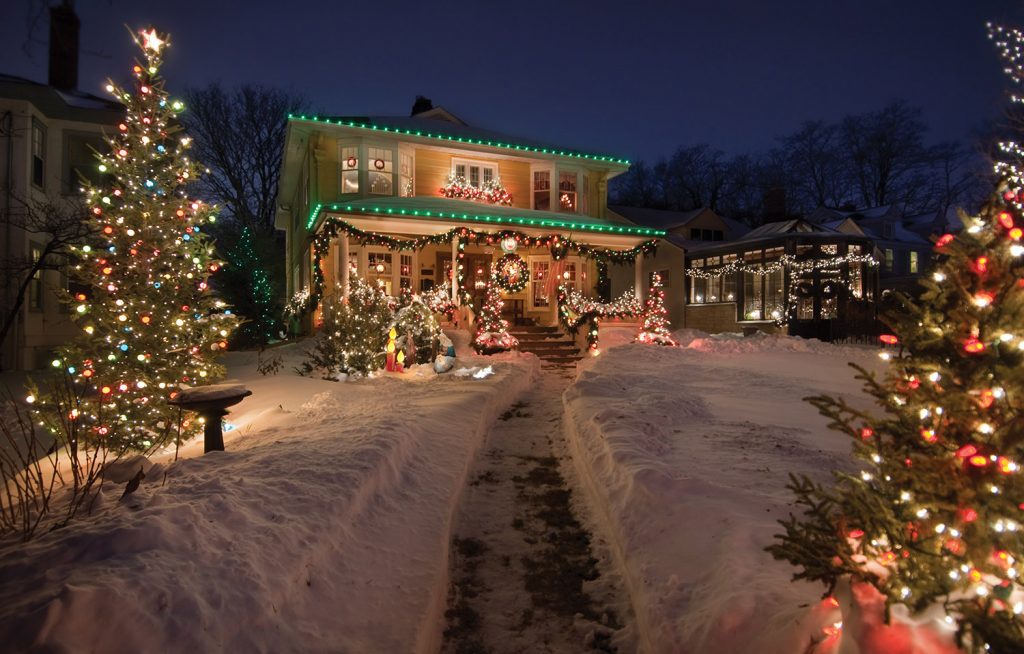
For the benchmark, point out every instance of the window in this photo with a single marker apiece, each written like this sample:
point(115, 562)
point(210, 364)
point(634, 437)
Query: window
point(775, 300)
point(350, 169)
point(698, 290)
point(380, 170)
point(540, 267)
point(888, 259)
point(35, 287)
point(729, 287)
point(38, 153)
point(701, 234)
point(753, 294)
point(542, 190)
point(378, 269)
point(567, 192)
point(912, 262)
point(406, 182)
point(80, 161)
point(856, 281)
point(405, 271)
point(476, 173)
point(830, 249)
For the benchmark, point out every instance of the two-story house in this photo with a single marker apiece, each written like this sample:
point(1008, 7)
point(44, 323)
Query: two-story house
point(414, 202)
point(49, 133)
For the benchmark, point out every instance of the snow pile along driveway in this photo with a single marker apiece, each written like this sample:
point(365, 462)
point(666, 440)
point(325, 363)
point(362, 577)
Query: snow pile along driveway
point(324, 527)
point(684, 454)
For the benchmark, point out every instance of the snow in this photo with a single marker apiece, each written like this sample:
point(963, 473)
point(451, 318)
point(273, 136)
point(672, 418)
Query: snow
point(684, 454)
point(324, 526)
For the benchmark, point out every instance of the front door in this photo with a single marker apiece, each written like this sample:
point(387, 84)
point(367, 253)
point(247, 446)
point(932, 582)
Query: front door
point(476, 271)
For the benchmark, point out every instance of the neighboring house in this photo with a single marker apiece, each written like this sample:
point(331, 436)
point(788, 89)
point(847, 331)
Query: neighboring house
point(348, 185)
point(683, 230)
point(49, 132)
point(902, 243)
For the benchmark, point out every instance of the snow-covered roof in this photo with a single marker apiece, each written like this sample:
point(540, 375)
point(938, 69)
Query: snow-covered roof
point(657, 218)
point(60, 104)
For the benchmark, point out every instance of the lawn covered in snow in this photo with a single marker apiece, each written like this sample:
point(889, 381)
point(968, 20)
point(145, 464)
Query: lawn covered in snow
point(324, 526)
point(684, 455)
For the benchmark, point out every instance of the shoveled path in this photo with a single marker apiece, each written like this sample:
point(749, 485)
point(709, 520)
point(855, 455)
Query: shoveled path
point(525, 574)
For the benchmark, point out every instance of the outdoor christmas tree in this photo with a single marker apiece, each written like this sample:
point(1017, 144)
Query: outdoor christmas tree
point(149, 322)
point(492, 330)
point(935, 515)
point(654, 328)
point(354, 332)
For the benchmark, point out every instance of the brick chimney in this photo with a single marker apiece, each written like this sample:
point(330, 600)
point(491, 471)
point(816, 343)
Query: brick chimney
point(64, 25)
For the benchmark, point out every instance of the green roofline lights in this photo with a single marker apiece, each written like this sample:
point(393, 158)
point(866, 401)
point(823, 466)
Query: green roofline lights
point(460, 139)
point(510, 220)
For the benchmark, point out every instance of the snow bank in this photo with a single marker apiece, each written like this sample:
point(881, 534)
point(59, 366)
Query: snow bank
point(684, 454)
point(323, 527)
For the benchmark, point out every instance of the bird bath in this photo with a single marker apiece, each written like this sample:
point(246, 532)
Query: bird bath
point(211, 402)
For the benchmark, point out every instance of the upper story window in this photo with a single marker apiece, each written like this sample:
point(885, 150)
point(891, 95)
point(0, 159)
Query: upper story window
point(912, 263)
point(476, 173)
point(350, 169)
point(406, 181)
point(567, 192)
point(80, 161)
point(35, 286)
point(888, 259)
point(38, 153)
point(542, 190)
point(584, 195)
point(380, 170)
point(699, 234)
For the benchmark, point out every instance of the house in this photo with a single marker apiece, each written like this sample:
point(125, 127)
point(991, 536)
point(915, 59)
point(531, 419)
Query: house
point(794, 275)
point(904, 248)
point(49, 133)
point(416, 202)
point(683, 230)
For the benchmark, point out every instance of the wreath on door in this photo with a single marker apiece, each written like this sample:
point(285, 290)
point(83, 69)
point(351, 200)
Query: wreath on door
point(511, 273)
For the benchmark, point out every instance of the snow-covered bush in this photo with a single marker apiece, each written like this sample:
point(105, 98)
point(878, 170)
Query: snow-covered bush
point(418, 321)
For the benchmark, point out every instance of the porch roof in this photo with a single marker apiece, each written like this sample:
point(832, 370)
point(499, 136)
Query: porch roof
point(433, 208)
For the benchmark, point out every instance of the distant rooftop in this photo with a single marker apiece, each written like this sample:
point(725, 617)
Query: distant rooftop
point(58, 103)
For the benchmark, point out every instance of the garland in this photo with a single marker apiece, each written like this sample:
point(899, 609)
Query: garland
point(795, 267)
point(333, 226)
point(492, 191)
point(574, 309)
point(510, 273)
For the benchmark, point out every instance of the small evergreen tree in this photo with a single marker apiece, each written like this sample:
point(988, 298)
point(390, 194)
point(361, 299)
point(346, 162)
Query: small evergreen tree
point(934, 517)
point(417, 319)
point(149, 321)
point(492, 330)
point(654, 327)
point(354, 332)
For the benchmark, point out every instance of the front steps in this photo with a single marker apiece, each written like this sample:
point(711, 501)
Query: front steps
point(548, 343)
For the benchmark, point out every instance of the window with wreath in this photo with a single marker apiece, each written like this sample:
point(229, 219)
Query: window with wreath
point(379, 170)
point(350, 169)
point(378, 269)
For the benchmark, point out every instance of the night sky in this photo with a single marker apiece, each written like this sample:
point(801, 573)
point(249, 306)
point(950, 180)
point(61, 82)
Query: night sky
point(634, 78)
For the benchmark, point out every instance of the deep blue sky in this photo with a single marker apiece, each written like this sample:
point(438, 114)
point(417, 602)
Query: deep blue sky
point(632, 78)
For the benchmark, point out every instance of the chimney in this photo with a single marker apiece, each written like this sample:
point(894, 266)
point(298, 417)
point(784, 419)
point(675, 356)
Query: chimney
point(64, 26)
point(421, 105)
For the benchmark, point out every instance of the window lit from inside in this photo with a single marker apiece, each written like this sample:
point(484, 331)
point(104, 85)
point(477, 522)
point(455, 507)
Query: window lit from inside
point(542, 190)
point(567, 192)
point(35, 286)
point(380, 170)
point(350, 170)
point(912, 263)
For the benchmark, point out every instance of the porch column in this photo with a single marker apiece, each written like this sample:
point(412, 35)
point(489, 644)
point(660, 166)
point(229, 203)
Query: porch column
point(638, 274)
point(455, 270)
point(345, 272)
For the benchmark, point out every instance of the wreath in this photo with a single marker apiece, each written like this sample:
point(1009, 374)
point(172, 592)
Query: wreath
point(378, 164)
point(511, 273)
point(351, 161)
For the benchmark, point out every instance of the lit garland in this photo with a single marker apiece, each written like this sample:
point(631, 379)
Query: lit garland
point(795, 267)
point(654, 328)
point(574, 309)
point(492, 191)
point(492, 330)
point(557, 243)
point(149, 322)
point(935, 515)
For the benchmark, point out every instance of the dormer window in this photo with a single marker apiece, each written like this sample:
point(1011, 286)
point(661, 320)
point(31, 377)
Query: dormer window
point(567, 192)
point(380, 170)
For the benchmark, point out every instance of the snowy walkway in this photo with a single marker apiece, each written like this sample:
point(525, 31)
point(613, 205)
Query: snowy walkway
point(324, 527)
point(525, 577)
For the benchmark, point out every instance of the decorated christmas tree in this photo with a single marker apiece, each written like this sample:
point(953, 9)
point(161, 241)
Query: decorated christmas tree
point(354, 332)
point(149, 322)
point(492, 330)
point(654, 328)
point(933, 519)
